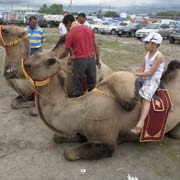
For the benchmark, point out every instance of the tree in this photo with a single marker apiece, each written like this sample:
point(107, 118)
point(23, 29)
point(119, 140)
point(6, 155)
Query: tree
point(111, 14)
point(53, 9)
point(44, 8)
point(56, 9)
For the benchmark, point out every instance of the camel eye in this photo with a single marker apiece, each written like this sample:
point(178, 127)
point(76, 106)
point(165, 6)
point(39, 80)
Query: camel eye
point(5, 32)
point(51, 61)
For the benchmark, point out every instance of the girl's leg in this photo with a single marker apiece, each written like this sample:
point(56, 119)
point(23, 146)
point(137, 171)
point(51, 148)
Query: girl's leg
point(144, 112)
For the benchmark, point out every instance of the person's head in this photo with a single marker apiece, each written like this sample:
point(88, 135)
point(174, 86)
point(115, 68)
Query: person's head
point(33, 22)
point(152, 41)
point(68, 20)
point(81, 18)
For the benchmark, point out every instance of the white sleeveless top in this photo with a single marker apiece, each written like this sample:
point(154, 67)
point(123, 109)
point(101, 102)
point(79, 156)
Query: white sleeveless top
point(148, 65)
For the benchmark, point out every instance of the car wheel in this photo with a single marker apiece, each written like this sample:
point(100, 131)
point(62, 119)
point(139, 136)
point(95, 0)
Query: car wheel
point(113, 32)
point(171, 40)
point(132, 34)
point(95, 30)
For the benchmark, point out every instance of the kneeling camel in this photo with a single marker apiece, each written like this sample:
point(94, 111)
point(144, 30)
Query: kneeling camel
point(16, 44)
point(101, 115)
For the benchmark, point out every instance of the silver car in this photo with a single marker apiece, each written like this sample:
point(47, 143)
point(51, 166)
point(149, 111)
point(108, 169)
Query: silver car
point(162, 29)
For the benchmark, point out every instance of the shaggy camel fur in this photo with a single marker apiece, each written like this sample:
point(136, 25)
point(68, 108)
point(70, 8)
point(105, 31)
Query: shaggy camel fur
point(16, 52)
point(101, 115)
point(14, 39)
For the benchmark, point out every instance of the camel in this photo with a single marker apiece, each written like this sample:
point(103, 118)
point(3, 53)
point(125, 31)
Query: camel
point(14, 39)
point(101, 116)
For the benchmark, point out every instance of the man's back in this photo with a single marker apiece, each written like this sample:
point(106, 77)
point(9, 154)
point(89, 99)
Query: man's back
point(81, 39)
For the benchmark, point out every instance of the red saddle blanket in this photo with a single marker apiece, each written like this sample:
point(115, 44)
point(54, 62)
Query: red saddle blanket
point(155, 122)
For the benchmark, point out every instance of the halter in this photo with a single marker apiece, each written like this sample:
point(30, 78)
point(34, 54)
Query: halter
point(37, 83)
point(13, 43)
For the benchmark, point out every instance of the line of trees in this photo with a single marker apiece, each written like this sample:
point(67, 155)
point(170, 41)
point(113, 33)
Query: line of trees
point(58, 9)
point(52, 9)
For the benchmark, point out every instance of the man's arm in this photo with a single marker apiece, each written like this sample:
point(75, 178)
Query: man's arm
point(97, 52)
point(64, 53)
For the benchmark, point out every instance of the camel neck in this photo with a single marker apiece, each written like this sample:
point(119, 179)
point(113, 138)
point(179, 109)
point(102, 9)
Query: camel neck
point(53, 107)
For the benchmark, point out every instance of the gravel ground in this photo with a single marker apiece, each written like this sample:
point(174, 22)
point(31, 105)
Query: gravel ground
point(27, 151)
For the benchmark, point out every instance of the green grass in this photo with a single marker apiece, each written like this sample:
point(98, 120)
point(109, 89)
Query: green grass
point(117, 54)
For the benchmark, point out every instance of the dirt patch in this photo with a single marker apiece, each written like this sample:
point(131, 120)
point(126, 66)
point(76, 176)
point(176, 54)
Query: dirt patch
point(27, 151)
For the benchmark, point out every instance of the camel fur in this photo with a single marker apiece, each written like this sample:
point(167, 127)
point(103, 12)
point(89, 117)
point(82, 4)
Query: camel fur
point(13, 64)
point(102, 116)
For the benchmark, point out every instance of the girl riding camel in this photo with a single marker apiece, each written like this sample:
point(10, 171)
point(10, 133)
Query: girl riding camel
point(151, 73)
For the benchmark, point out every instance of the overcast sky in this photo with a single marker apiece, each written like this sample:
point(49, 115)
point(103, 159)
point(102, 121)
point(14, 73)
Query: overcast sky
point(4, 4)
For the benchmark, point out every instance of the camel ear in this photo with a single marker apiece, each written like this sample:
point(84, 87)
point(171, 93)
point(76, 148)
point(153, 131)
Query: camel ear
point(51, 61)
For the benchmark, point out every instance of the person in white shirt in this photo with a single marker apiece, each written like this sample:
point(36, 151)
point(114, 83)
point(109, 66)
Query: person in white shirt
point(62, 29)
point(81, 18)
point(152, 69)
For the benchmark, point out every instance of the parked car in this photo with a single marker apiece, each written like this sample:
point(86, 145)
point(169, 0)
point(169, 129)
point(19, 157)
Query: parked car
point(111, 28)
point(175, 35)
point(130, 29)
point(96, 26)
point(163, 29)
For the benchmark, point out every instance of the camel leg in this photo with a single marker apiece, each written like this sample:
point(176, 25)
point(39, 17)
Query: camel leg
point(19, 102)
point(90, 151)
point(33, 111)
point(62, 139)
point(175, 132)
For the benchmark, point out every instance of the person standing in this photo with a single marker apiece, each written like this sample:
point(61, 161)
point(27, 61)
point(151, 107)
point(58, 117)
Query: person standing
point(152, 69)
point(62, 29)
point(85, 49)
point(81, 18)
point(36, 35)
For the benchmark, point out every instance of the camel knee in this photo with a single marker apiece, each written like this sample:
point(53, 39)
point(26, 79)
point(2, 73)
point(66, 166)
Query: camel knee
point(90, 151)
point(129, 105)
point(175, 132)
point(62, 139)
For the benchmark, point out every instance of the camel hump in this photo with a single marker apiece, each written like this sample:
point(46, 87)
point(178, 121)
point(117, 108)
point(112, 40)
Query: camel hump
point(124, 86)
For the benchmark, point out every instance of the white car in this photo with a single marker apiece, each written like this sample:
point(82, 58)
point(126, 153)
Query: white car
point(96, 26)
point(162, 29)
point(111, 28)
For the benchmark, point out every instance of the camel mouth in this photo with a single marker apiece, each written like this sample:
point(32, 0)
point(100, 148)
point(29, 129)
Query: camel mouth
point(9, 73)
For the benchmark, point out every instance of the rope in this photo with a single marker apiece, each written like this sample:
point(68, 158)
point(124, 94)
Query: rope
point(13, 43)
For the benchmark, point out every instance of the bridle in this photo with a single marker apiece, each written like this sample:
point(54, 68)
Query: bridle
point(13, 43)
point(35, 82)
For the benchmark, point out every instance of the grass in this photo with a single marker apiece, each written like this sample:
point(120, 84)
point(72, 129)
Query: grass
point(118, 54)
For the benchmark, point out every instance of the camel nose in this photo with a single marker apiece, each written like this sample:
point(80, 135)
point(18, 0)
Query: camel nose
point(8, 71)
point(8, 68)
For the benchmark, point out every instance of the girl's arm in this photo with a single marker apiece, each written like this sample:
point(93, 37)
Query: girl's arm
point(158, 60)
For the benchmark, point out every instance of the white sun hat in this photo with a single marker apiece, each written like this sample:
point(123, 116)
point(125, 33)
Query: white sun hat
point(153, 37)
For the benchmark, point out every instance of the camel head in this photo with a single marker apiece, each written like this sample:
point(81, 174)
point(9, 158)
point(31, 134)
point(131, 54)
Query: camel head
point(15, 41)
point(41, 65)
point(172, 72)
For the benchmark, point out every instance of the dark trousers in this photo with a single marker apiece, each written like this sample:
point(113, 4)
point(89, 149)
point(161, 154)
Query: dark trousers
point(81, 67)
point(35, 50)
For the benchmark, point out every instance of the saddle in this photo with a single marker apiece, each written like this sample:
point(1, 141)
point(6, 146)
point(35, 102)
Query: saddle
point(155, 122)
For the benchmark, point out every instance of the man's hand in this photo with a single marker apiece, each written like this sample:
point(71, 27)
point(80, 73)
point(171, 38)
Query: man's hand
point(70, 60)
point(98, 64)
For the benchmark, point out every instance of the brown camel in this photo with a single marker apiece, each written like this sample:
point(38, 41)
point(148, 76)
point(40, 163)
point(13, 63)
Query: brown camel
point(16, 44)
point(101, 115)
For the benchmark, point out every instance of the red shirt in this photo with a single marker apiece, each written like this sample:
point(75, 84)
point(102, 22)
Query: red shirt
point(81, 40)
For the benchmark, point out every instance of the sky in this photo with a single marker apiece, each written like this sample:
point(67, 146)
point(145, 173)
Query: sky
point(23, 4)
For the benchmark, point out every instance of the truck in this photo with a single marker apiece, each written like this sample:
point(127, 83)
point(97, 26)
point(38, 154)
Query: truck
point(53, 19)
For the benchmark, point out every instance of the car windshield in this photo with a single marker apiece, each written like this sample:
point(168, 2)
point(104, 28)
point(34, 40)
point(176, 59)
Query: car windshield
point(152, 26)
point(132, 25)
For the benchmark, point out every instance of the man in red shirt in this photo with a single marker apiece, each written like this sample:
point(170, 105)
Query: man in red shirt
point(81, 41)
